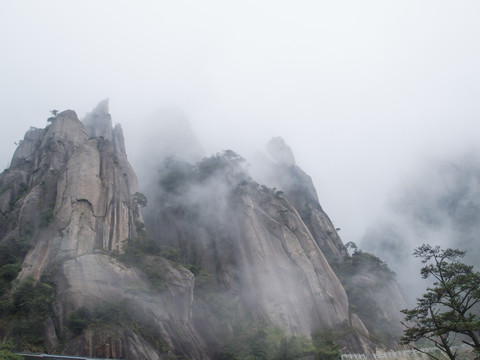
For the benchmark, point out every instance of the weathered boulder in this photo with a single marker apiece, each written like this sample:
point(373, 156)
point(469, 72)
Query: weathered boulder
point(166, 313)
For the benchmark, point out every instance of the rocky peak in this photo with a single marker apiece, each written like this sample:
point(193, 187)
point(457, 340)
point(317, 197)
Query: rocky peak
point(300, 191)
point(263, 261)
point(82, 188)
point(378, 287)
point(118, 140)
point(280, 151)
point(64, 134)
point(70, 201)
point(98, 122)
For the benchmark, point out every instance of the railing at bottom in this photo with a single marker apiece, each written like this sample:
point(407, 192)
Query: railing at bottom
point(32, 356)
point(390, 354)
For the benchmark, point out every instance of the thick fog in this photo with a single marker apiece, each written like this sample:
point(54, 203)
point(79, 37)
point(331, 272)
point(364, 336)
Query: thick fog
point(363, 92)
point(440, 205)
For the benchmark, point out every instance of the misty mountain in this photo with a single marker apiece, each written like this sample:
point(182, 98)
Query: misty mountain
point(69, 210)
point(268, 254)
point(222, 265)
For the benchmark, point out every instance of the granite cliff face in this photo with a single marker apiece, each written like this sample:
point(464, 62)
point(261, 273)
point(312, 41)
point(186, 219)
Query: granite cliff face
point(267, 253)
point(70, 193)
point(261, 258)
point(371, 286)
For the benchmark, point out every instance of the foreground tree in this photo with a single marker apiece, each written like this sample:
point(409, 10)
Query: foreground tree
point(449, 307)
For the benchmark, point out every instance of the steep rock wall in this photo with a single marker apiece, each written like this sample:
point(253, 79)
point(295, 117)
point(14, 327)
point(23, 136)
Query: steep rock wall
point(299, 189)
point(253, 242)
point(70, 193)
point(378, 292)
point(83, 194)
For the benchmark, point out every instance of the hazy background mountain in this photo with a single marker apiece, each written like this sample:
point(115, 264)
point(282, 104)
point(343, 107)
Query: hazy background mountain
point(362, 91)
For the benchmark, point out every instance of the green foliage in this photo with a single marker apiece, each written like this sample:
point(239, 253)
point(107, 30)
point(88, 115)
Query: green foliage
point(227, 160)
point(382, 331)
point(145, 254)
point(13, 250)
point(46, 215)
point(140, 199)
point(6, 352)
point(325, 346)
point(176, 175)
point(257, 341)
point(364, 262)
point(79, 320)
point(360, 293)
point(28, 307)
point(137, 249)
point(116, 314)
point(106, 313)
point(113, 313)
point(12, 253)
point(203, 279)
point(139, 226)
point(351, 245)
point(250, 340)
point(447, 308)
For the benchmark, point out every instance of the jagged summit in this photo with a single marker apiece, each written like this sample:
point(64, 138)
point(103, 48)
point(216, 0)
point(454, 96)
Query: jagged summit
point(69, 208)
point(65, 172)
point(280, 151)
point(98, 122)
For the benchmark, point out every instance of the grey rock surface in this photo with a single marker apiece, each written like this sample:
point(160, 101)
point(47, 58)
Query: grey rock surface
point(254, 243)
point(70, 193)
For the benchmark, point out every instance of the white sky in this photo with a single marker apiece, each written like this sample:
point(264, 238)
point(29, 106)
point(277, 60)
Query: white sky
point(363, 91)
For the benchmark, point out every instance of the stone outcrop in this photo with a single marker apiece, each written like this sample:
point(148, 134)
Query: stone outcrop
point(256, 246)
point(82, 187)
point(298, 187)
point(166, 314)
point(70, 193)
point(290, 280)
point(386, 297)
point(382, 293)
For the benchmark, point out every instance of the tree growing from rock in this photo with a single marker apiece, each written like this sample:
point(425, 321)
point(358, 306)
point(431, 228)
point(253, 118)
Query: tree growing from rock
point(448, 311)
point(54, 115)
